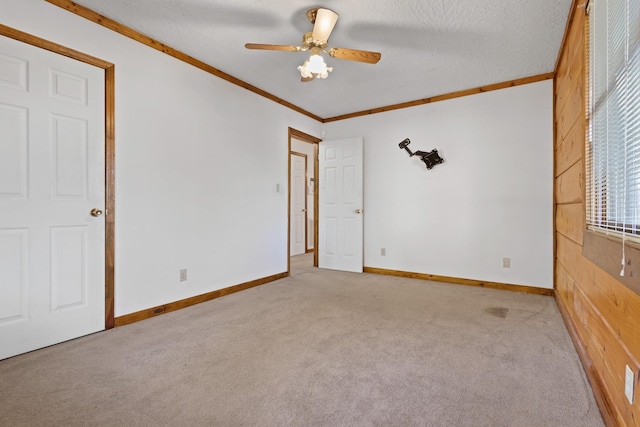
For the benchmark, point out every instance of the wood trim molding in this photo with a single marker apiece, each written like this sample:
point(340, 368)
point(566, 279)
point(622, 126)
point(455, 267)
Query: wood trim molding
point(110, 196)
point(154, 44)
point(459, 281)
point(316, 203)
point(177, 305)
point(295, 133)
point(110, 164)
point(52, 47)
point(452, 95)
point(604, 404)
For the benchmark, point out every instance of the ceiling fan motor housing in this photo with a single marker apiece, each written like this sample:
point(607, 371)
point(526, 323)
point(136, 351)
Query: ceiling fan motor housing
point(308, 42)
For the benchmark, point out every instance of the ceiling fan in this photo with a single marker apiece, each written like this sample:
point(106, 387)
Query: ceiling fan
point(316, 41)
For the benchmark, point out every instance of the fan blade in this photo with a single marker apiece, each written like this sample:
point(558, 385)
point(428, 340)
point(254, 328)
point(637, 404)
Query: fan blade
point(306, 79)
point(272, 47)
point(355, 55)
point(325, 21)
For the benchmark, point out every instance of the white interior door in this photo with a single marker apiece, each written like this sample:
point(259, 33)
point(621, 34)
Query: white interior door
point(340, 222)
point(52, 285)
point(298, 204)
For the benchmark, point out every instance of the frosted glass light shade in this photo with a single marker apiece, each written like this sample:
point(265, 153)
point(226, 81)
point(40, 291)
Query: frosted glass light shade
point(316, 64)
point(325, 21)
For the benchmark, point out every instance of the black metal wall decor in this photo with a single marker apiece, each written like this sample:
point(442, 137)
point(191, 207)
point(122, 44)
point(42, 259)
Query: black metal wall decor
point(430, 159)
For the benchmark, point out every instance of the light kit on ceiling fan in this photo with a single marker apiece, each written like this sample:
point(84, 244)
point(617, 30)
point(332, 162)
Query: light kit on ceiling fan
point(316, 41)
point(314, 67)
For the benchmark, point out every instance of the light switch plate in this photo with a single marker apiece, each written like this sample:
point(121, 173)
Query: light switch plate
point(629, 380)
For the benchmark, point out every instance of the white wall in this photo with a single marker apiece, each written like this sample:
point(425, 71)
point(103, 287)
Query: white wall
point(492, 198)
point(197, 163)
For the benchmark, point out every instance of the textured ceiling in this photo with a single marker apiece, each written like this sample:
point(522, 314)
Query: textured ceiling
point(429, 47)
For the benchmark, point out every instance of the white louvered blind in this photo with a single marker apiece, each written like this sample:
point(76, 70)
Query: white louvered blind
point(613, 148)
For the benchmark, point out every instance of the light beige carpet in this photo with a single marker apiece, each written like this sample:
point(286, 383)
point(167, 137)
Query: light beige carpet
point(320, 348)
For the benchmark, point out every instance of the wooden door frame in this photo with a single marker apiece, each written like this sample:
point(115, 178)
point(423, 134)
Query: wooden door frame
point(306, 216)
point(296, 134)
point(109, 155)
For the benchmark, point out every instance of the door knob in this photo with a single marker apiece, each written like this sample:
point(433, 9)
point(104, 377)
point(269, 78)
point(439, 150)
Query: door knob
point(358, 211)
point(96, 212)
point(304, 210)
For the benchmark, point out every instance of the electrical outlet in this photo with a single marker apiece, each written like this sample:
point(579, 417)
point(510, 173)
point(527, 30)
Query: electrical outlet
point(383, 251)
point(629, 381)
point(506, 262)
point(183, 275)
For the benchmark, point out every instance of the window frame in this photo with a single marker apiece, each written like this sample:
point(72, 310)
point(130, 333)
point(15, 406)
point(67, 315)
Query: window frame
point(604, 246)
point(596, 209)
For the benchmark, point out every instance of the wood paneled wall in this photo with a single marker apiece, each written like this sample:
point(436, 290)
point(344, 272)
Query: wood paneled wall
point(602, 314)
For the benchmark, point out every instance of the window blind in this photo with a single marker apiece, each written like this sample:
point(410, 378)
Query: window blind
point(613, 142)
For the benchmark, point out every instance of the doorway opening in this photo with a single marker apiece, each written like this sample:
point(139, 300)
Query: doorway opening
point(301, 231)
point(302, 212)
